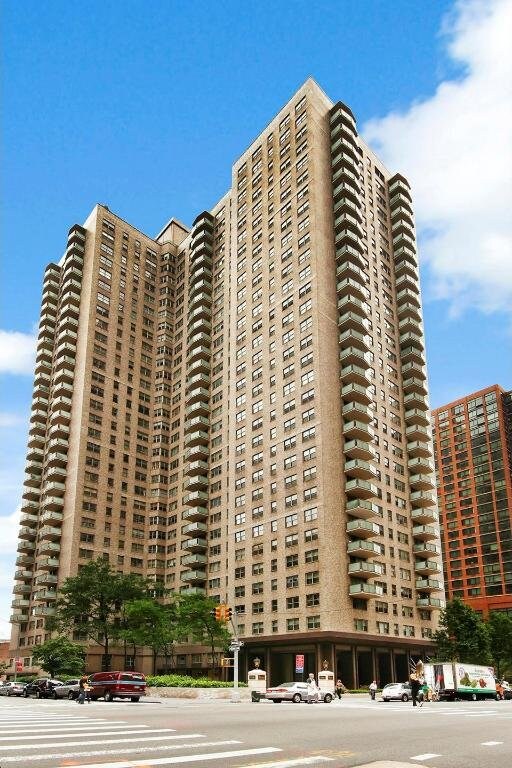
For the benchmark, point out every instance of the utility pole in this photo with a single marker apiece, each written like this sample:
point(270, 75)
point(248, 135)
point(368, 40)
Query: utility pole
point(235, 646)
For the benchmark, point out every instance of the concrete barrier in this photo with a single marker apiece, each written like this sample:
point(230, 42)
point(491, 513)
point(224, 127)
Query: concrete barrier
point(206, 694)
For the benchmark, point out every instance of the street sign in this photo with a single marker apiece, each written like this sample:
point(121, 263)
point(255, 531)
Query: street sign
point(235, 645)
point(226, 661)
point(18, 665)
point(299, 663)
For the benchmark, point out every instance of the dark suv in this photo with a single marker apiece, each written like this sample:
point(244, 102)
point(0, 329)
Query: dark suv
point(43, 688)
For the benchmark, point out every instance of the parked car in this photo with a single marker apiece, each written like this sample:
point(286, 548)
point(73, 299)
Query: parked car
point(295, 692)
point(68, 690)
point(396, 692)
point(12, 689)
point(43, 688)
point(117, 685)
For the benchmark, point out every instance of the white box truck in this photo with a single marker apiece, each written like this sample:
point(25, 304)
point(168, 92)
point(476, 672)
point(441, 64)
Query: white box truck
point(456, 680)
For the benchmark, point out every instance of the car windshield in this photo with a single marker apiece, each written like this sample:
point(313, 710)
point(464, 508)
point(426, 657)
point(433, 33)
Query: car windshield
point(286, 685)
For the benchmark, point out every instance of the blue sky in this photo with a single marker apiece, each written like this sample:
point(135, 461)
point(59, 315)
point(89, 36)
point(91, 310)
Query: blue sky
point(145, 105)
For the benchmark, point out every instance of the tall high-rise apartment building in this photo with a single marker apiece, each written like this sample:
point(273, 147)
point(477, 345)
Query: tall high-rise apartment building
point(240, 408)
point(473, 452)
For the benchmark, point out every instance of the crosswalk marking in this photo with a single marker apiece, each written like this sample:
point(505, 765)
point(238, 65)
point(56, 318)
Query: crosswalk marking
point(141, 730)
point(68, 728)
point(184, 758)
point(138, 740)
point(298, 761)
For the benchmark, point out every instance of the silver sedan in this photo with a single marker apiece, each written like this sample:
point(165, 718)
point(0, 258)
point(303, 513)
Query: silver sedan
point(295, 692)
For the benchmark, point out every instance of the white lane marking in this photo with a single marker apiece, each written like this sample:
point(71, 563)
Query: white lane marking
point(142, 729)
point(5, 747)
point(184, 758)
point(426, 756)
point(490, 743)
point(313, 760)
point(65, 728)
point(103, 752)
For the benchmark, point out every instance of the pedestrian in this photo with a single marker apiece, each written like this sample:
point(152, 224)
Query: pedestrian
point(339, 689)
point(416, 681)
point(372, 689)
point(82, 683)
point(312, 688)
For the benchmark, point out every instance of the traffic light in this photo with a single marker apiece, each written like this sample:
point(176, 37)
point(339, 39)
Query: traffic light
point(220, 612)
point(229, 613)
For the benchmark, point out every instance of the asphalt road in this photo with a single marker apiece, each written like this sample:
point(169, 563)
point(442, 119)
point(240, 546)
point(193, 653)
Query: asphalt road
point(353, 732)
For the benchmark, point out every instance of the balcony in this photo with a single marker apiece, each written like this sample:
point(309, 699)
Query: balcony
point(349, 253)
point(20, 617)
point(53, 502)
point(195, 545)
point(32, 494)
point(22, 589)
point(51, 516)
point(346, 220)
point(422, 547)
point(416, 416)
point(354, 356)
point(357, 411)
point(353, 321)
point(23, 575)
point(409, 310)
point(358, 430)
point(413, 384)
point(424, 515)
point(22, 560)
point(429, 585)
point(32, 480)
point(196, 466)
point(412, 354)
point(26, 533)
point(44, 610)
point(65, 361)
point(351, 303)
point(430, 602)
point(196, 482)
point(351, 287)
point(363, 548)
point(365, 569)
point(198, 452)
point(361, 509)
point(50, 533)
point(407, 296)
point(365, 590)
point(20, 602)
point(414, 368)
point(48, 548)
point(358, 449)
point(48, 563)
point(200, 365)
point(57, 462)
point(197, 438)
point(200, 312)
point(355, 374)
point(361, 340)
point(197, 381)
point(45, 578)
point(423, 499)
point(404, 237)
point(421, 465)
point(427, 567)
point(194, 560)
point(401, 223)
point(195, 528)
point(425, 532)
point(363, 528)
point(194, 577)
point(419, 448)
point(47, 594)
point(422, 482)
point(196, 497)
point(58, 444)
point(192, 591)
point(25, 546)
point(356, 393)
point(361, 488)
point(350, 263)
point(195, 514)
point(361, 469)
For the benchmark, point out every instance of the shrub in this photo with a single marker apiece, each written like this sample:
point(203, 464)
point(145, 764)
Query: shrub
point(185, 681)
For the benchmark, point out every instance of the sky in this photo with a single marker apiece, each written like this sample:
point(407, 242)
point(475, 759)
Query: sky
point(144, 105)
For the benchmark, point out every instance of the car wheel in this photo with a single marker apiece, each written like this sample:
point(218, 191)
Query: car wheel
point(70, 696)
point(277, 701)
point(405, 697)
point(108, 696)
point(297, 698)
point(385, 699)
point(328, 698)
point(135, 698)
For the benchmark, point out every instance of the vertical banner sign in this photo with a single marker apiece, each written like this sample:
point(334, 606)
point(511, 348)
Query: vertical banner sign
point(299, 663)
point(19, 665)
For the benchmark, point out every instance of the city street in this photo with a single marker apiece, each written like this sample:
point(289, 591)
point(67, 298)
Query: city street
point(353, 732)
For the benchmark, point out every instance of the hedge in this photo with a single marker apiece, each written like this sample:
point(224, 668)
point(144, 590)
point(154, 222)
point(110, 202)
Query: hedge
point(185, 681)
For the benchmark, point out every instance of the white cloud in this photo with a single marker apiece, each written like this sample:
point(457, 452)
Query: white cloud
point(456, 151)
point(9, 527)
point(17, 352)
point(8, 420)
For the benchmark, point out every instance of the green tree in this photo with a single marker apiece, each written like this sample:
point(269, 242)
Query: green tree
point(462, 635)
point(196, 621)
point(499, 626)
point(90, 603)
point(149, 623)
point(59, 656)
